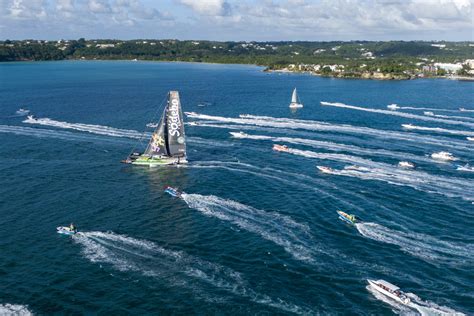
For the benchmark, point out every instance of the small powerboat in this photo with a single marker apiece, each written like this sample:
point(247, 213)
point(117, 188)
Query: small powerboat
point(283, 148)
point(393, 106)
point(22, 111)
point(325, 169)
point(173, 192)
point(348, 218)
point(152, 125)
point(428, 113)
point(470, 139)
point(406, 164)
point(443, 155)
point(66, 230)
point(238, 134)
point(466, 167)
point(390, 290)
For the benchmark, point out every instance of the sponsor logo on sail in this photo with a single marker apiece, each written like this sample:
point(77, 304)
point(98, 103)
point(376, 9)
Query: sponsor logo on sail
point(174, 122)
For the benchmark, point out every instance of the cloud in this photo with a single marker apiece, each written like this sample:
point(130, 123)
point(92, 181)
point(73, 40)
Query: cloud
point(209, 7)
point(239, 19)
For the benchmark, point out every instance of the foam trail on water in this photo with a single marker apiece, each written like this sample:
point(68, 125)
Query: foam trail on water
point(280, 229)
point(252, 122)
point(90, 128)
point(429, 308)
point(429, 109)
point(176, 268)
point(419, 180)
point(437, 130)
point(334, 146)
point(416, 306)
point(401, 114)
point(14, 310)
point(48, 133)
point(462, 118)
point(422, 246)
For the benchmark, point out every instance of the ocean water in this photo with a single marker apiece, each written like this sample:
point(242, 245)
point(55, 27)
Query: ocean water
point(257, 231)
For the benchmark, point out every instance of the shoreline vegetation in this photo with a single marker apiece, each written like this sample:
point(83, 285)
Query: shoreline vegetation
point(382, 60)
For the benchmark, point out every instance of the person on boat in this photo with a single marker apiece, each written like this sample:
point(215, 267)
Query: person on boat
point(72, 228)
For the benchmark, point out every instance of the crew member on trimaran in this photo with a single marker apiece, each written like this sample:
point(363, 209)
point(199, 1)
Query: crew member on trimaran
point(167, 145)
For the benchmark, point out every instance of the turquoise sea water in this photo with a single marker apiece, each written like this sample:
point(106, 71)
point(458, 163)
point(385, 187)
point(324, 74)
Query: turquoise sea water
point(257, 231)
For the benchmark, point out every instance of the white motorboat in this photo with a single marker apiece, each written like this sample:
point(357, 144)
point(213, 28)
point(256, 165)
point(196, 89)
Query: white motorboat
point(238, 134)
point(325, 169)
point(283, 148)
point(443, 155)
point(406, 164)
point(428, 113)
point(470, 139)
point(393, 106)
point(152, 125)
point(22, 111)
point(466, 167)
point(390, 290)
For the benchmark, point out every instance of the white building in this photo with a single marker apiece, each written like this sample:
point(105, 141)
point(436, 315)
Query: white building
point(449, 67)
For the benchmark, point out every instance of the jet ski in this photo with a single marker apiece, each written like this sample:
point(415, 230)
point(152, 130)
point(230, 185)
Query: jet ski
point(66, 230)
point(348, 218)
point(173, 192)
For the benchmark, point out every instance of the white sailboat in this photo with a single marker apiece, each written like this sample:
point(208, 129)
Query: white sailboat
point(295, 101)
point(167, 145)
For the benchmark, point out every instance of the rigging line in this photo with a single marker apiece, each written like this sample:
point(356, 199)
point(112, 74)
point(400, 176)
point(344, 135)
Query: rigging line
point(140, 140)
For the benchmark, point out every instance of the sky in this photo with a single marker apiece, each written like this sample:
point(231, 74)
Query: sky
point(234, 20)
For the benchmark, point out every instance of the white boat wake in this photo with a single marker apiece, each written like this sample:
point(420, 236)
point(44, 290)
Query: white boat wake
point(419, 180)
point(279, 229)
point(416, 307)
point(278, 125)
point(175, 268)
point(430, 109)
point(334, 146)
point(462, 118)
point(437, 130)
point(422, 246)
point(401, 114)
point(90, 128)
point(14, 310)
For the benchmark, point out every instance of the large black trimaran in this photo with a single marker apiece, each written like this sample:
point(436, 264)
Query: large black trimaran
point(167, 145)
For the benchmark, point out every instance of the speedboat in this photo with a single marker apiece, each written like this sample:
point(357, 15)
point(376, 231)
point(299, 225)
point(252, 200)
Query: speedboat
point(390, 290)
point(408, 126)
point(466, 167)
point(393, 106)
point(348, 218)
point(152, 125)
point(283, 148)
point(31, 117)
point(173, 192)
point(443, 155)
point(428, 113)
point(66, 230)
point(22, 111)
point(238, 134)
point(462, 109)
point(325, 169)
point(406, 164)
point(470, 139)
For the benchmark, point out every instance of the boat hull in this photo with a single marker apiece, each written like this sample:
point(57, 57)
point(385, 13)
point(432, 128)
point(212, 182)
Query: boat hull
point(65, 231)
point(296, 106)
point(374, 285)
point(156, 162)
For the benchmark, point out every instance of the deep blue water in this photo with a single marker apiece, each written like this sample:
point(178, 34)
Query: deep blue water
point(257, 231)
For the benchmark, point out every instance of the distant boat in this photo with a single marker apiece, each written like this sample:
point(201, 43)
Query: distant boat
point(22, 111)
point(390, 290)
point(277, 147)
point(470, 139)
point(295, 101)
point(238, 134)
point(443, 155)
point(466, 167)
point(152, 125)
point(325, 169)
point(393, 106)
point(348, 218)
point(406, 164)
point(428, 113)
point(167, 145)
